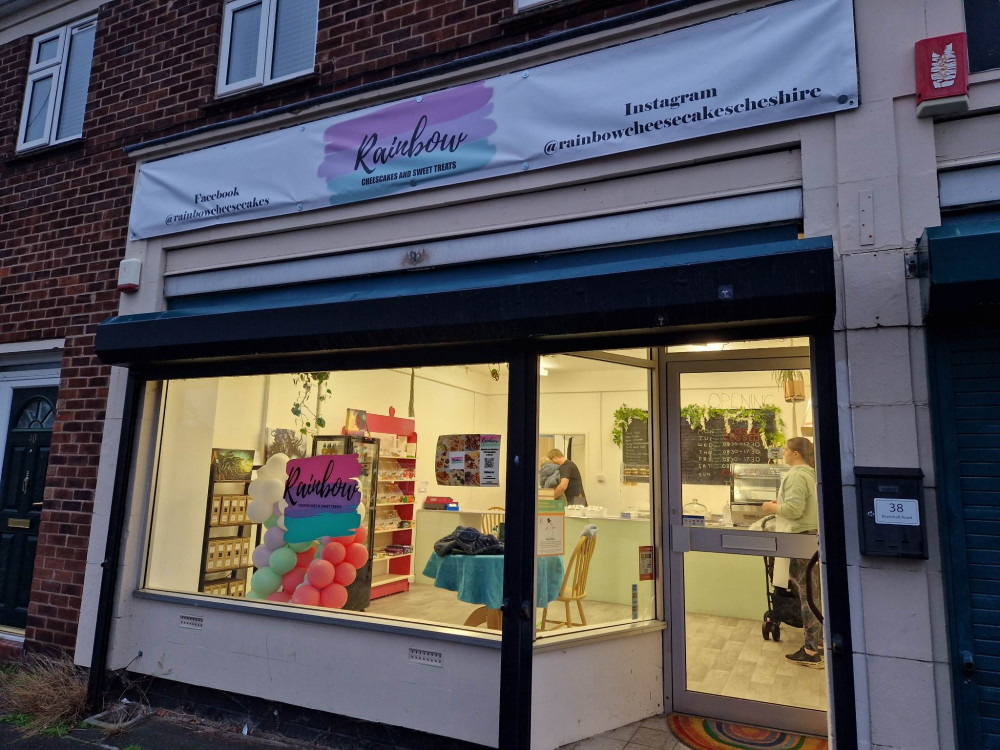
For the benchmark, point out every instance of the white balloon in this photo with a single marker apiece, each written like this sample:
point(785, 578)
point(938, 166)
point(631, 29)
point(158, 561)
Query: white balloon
point(274, 537)
point(259, 511)
point(256, 489)
point(270, 491)
point(261, 556)
point(276, 465)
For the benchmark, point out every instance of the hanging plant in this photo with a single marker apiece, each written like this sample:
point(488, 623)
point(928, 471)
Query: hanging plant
point(308, 417)
point(767, 419)
point(623, 417)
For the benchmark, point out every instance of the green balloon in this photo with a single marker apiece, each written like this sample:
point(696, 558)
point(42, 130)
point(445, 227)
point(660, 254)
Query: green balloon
point(282, 561)
point(251, 594)
point(265, 582)
point(300, 546)
point(270, 522)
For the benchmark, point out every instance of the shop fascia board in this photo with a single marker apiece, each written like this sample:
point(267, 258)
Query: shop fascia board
point(685, 219)
point(684, 175)
point(456, 74)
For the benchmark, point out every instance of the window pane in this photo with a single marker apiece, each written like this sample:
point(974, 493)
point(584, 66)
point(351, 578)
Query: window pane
point(47, 50)
point(243, 43)
point(38, 107)
point(294, 37)
point(211, 536)
point(594, 532)
point(76, 83)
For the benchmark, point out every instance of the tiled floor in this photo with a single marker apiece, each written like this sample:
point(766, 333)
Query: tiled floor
point(642, 735)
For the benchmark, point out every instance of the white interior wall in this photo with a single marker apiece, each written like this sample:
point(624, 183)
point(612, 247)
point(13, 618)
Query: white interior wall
point(584, 401)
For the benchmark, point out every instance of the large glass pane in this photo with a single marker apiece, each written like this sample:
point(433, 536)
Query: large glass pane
point(294, 37)
point(594, 505)
point(76, 81)
point(225, 526)
point(243, 44)
point(39, 100)
point(726, 598)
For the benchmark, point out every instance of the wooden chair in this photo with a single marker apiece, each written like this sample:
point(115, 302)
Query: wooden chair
point(492, 520)
point(574, 585)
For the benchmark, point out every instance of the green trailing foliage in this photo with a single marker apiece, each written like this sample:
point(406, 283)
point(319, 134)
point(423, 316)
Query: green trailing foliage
point(623, 417)
point(765, 418)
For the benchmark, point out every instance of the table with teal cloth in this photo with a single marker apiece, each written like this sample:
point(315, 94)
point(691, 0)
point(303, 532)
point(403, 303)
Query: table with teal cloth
point(478, 579)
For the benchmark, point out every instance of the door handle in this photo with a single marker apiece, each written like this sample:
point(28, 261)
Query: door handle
point(24, 484)
point(968, 664)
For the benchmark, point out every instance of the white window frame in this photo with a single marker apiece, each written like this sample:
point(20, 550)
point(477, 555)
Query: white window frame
point(56, 69)
point(265, 48)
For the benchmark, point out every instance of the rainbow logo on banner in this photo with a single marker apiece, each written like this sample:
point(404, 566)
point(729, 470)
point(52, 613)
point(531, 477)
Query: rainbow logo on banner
point(403, 145)
point(321, 497)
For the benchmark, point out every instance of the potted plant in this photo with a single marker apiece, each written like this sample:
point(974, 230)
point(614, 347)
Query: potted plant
point(794, 384)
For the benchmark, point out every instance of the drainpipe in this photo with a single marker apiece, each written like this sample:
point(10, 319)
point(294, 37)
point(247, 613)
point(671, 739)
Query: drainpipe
point(112, 553)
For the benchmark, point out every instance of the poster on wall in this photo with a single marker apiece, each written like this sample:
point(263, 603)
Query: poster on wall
point(356, 422)
point(469, 460)
point(321, 497)
point(231, 464)
point(551, 532)
point(739, 71)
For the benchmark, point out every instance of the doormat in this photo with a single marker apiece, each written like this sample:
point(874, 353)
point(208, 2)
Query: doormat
point(710, 734)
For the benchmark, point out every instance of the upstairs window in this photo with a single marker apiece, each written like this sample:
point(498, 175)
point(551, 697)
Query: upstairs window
point(58, 78)
point(982, 23)
point(266, 41)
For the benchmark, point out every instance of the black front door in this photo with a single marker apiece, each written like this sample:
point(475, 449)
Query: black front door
point(22, 484)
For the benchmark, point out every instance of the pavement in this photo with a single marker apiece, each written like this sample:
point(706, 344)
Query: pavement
point(166, 730)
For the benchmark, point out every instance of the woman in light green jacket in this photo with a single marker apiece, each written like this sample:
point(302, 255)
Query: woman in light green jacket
point(797, 511)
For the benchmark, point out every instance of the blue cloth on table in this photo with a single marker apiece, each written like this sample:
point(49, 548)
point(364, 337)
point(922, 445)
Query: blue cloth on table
point(478, 579)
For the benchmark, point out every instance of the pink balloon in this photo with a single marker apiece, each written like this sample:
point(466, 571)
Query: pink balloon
point(360, 535)
point(345, 540)
point(321, 573)
point(306, 595)
point(333, 596)
point(305, 557)
point(334, 553)
point(279, 596)
point(292, 579)
point(357, 555)
point(346, 573)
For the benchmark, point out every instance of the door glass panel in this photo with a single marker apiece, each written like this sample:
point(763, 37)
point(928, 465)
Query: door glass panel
point(734, 427)
point(726, 599)
point(747, 463)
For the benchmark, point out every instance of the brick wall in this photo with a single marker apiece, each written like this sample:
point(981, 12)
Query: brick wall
point(65, 209)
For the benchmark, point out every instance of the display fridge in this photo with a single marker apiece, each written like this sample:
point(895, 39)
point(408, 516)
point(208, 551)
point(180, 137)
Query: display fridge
point(359, 592)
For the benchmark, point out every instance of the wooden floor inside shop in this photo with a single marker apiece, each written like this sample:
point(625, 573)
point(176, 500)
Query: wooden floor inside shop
point(728, 656)
point(440, 607)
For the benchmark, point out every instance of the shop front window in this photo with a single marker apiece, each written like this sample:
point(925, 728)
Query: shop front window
point(375, 492)
point(594, 523)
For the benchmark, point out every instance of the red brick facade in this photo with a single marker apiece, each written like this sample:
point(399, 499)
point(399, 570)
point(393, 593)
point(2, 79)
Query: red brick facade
point(65, 209)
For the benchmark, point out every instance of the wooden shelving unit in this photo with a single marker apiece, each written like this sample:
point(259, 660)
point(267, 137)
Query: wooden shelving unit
point(229, 539)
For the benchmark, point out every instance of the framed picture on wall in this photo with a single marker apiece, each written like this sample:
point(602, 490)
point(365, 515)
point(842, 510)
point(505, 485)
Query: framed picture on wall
point(232, 464)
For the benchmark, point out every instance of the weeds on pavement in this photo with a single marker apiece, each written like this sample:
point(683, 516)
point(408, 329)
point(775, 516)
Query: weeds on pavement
point(43, 694)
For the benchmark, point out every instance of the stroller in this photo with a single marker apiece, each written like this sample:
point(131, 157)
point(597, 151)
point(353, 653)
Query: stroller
point(783, 606)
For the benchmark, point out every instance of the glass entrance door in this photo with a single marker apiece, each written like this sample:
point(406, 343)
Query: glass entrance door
point(743, 518)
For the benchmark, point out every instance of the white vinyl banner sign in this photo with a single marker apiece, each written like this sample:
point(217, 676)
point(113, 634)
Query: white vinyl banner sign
point(787, 61)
